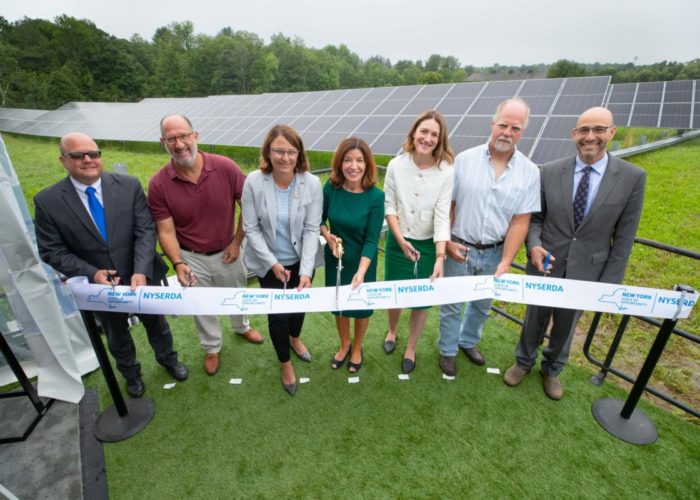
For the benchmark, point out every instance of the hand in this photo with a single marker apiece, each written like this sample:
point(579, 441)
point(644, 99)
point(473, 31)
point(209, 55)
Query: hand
point(502, 268)
point(457, 251)
point(437, 269)
point(357, 280)
point(185, 275)
point(537, 257)
point(304, 282)
point(137, 280)
point(102, 277)
point(411, 253)
point(330, 241)
point(280, 272)
point(232, 252)
point(338, 248)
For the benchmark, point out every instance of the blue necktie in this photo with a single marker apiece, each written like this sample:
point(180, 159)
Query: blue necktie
point(581, 197)
point(97, 211)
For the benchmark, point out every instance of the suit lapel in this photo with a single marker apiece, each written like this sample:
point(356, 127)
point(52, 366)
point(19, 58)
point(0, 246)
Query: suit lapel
point(567, 183)
point(296, 201)
point(71, 198)
point(269, 193)
point(606, 186)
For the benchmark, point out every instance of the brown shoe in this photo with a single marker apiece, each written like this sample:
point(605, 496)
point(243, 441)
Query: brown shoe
point(474, 355)
point(211, 363)
point(552, 387)
point(514, 375)
point(448, 365)
point(253, 336)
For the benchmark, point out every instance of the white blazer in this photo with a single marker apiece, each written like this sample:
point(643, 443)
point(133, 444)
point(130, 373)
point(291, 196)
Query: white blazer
point(260, 222)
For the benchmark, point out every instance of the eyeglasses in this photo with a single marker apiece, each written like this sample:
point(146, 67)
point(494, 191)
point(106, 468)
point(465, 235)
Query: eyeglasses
point(182, 138)
point(79, 155)
point(292, 153)
point(599, 130)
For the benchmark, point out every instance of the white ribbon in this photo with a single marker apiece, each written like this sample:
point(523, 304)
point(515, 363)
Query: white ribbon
point(552, 292)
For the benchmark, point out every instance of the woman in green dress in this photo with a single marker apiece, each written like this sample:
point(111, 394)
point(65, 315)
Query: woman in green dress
point(353, 213)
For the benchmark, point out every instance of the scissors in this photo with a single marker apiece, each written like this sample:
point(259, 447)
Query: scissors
point(546, 263)
point(110, 278)
point(415, 264)
point(339, 251)
point(287, 275)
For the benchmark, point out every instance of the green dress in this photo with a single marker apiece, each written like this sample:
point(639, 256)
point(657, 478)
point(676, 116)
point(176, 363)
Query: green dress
point(357, 219)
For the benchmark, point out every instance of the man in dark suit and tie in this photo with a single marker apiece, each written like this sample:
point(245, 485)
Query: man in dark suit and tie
point(98, 225)
point(591, 206)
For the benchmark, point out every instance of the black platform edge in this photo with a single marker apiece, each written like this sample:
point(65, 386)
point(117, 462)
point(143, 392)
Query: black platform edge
point(92, 457)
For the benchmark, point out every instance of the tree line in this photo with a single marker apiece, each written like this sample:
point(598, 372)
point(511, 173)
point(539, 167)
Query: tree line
point(45, 64)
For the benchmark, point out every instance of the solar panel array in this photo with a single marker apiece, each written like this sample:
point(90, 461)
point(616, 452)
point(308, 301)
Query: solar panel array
point(382, 116)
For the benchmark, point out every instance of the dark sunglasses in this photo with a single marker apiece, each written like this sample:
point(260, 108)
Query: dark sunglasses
point(79, 155)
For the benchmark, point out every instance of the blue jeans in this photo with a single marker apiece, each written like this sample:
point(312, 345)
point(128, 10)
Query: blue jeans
point(452, 336)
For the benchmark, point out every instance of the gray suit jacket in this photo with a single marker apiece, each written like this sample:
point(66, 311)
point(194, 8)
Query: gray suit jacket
point(259, 211)
point(69, 241)
point(599, 249)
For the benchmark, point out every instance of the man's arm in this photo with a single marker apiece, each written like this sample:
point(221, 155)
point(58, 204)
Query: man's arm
point(171, 248)
point(515, 236)
point(233, 251)
point(144, 235)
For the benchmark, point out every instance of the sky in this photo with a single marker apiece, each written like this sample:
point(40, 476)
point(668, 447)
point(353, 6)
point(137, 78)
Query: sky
point(483, 33)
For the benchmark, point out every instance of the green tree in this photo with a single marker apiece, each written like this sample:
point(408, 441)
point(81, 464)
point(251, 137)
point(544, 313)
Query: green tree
point(430, 77)
point(564, 68)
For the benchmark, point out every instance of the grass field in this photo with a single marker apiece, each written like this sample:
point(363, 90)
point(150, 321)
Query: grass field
point(426, 437)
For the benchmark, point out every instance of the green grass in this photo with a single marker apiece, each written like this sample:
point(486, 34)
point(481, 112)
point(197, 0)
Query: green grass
point(472, 437)
point(384, 438)
point(628, 137)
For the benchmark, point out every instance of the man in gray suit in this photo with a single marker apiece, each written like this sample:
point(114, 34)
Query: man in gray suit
point(591, 205)
point(98, 225)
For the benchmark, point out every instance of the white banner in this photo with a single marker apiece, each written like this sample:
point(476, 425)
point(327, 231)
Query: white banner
point(553, 292)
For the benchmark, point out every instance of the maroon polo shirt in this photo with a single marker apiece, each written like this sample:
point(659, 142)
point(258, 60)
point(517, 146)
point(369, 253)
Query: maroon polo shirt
point(204, 213)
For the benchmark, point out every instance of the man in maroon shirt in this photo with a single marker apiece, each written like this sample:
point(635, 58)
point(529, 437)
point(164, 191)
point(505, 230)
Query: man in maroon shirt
point(193, 201)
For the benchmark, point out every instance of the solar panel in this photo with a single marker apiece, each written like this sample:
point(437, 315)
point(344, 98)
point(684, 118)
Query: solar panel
point(381, 115)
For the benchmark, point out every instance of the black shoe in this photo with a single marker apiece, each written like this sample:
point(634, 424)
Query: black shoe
point(135, 387)
point(355, 367)
point(408, 365)
point(290, 388)
point(337, 363)
point(474, 355)
point(178, 371)
point(389, 346)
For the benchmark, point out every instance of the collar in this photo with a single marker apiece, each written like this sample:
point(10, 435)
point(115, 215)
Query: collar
point(174, 174)
point(79, 186)
point(511, 161)
point(598, 167)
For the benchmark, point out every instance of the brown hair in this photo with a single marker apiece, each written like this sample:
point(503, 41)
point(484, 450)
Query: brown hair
point(443, 151)
point(293, 138)
point(369, 178)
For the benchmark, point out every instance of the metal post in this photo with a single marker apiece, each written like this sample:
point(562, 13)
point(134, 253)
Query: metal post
point(600, 377)
point(623, 420)
point(126, 417)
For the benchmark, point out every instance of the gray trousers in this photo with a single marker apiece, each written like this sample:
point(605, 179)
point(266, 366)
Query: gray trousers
point(210, 270)
point(556, 353)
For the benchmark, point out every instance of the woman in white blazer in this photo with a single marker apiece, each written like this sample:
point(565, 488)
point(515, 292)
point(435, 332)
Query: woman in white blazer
point(282, 205)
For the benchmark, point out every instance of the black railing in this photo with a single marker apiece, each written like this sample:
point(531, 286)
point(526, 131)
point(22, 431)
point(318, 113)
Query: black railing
point(605, 365)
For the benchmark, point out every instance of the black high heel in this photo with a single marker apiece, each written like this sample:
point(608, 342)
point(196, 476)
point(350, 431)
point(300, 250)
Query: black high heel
point(335, 363)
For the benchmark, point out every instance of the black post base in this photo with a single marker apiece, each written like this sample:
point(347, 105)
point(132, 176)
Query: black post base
point(637, 429)
point(110, 427)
